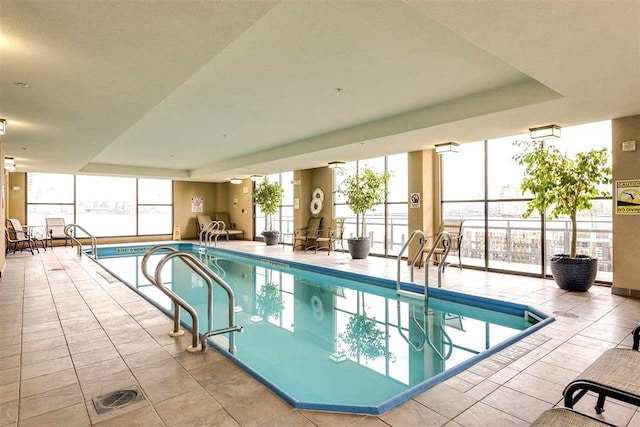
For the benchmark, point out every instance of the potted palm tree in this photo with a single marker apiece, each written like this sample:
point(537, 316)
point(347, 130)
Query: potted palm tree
point(564, 186)
point(268, 197)
point(363, 191)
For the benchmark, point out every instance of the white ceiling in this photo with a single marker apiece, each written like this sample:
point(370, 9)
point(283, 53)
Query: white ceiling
point(208, 90)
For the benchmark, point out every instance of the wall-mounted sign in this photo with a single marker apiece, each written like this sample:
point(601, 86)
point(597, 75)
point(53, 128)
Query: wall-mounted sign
point(628, 196)
point(197, 203)
point(414, 200)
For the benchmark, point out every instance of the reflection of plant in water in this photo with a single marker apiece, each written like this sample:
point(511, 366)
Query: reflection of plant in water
point(364, 339)
point(269, 302)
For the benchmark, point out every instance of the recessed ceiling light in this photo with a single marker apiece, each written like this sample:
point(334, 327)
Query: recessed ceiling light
point(23, 84)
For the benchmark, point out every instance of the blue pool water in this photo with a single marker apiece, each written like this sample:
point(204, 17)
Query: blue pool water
point(330, 340)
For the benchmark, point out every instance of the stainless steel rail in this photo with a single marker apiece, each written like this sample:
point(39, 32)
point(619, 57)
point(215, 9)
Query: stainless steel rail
point(70, 235)
point(445, 238)
point(211, 232)
point(209, 277)
point(413, 235)
point(426, 336)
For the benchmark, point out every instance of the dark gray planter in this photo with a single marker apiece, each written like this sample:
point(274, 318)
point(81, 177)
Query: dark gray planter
point(574, 274)
point(359, 248)
point(271, 237)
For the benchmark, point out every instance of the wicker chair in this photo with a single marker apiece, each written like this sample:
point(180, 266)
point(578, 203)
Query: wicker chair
point(615, 374)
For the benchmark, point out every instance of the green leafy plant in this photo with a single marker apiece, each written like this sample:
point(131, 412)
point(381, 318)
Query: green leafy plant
point(363, 338)
point(268, 196)
point(269, 302)
point(363, 191)
point(561, 185)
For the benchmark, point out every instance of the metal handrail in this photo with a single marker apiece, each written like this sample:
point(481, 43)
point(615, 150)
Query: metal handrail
point(177, 301)
point(412, 236)
point(445, 238)
point(425, 333)
point(210, 232)
point(94, 241)
point(209, 277)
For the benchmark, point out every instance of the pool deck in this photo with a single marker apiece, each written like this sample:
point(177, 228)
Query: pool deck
point(71, 333)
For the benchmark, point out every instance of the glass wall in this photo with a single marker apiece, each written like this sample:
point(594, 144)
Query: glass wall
point(387, 224)
point(481, 184)
point(104, 205)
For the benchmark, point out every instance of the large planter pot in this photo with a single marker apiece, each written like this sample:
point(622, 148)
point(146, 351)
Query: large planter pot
point(359, 248)
point(271, 237)
point(574, 274)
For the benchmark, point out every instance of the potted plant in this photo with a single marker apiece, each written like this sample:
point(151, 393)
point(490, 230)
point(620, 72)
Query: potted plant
point(564, 186)
point(363, 191)
point(268, 196)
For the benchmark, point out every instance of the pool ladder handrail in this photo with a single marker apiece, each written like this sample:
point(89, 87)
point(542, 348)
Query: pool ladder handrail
point(208, 276)
point(412, 236)
point(211, 232)
point(71, 235)
point(425, 333)
point(442, 237)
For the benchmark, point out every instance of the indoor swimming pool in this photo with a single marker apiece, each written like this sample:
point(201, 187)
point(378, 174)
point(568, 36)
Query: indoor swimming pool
point(332, 340)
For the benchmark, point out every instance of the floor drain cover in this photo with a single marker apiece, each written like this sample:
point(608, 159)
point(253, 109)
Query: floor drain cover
point(565, 314)
point(117, 399)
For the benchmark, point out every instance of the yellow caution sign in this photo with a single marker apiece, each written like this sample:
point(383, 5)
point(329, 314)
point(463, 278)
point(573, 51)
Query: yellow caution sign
point(177, 235)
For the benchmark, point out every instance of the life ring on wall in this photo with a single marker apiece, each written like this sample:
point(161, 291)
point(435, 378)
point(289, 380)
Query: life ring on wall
point(318, 309)
point(317, 197)
point(315, 207)
point(318, 194)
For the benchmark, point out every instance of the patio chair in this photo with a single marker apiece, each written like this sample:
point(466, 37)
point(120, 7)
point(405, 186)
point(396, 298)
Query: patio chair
point(55, 230)
point(17, 239)
point(557, 417)
point(334, 234)
point(202, 221)
point(229, 227)
point(615, 374)
point(305, 238)
point(454, 228)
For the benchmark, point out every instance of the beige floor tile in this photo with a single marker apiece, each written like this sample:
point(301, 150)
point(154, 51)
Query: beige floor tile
point(46, 367)
point(187, 407)
point(331, 419)
point(94, 356)
point(481, 415)
point(47, 382)
point(9, 376)
point(44, 355)
point(70, 416)
point(412, 413)
point(8, 412)
point(9, 392)
point(517, 404)
point(290, 419)
point(143, 417)
point(445, 400)
point(10, 362)
point(259, 408)
point(146, 357)
point(51, 400)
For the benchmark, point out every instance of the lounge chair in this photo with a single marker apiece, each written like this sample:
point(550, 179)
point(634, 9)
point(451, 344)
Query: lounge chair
point(229, 227)
point(202, 221)
point(17, 239)
point(334, 234)
point(615, 374)
point(561, 417)
point(55, 230)
point(305, 238)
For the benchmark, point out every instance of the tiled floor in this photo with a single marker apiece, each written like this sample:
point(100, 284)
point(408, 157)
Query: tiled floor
point(68, 335)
